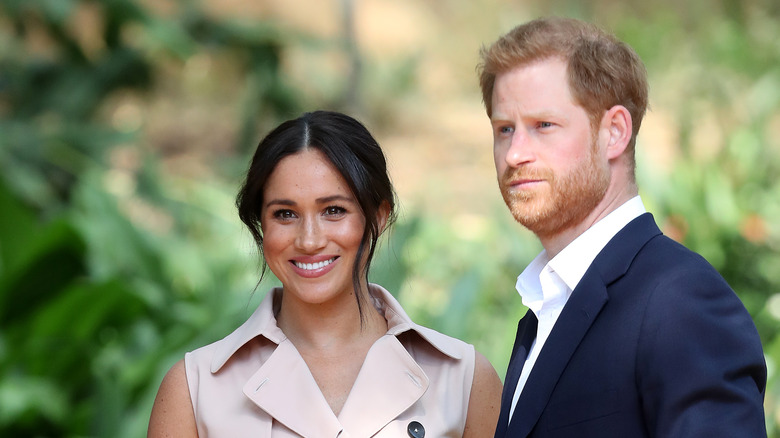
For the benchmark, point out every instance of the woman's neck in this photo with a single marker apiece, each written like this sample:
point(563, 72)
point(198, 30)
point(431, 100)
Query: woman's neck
point(332, 325)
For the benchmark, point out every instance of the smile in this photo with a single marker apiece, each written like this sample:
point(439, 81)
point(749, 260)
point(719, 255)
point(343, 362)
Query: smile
point(314, 266)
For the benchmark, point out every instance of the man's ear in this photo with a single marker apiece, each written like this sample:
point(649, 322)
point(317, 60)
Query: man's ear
point(382, 215)
point(617, 127)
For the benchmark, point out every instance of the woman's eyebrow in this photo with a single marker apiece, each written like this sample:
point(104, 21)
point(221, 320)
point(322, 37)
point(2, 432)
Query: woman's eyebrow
point(286, 202)
point(326, 199)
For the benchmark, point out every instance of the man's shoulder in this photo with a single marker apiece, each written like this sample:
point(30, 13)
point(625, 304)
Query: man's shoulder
point(672, 256)
point(642, 244)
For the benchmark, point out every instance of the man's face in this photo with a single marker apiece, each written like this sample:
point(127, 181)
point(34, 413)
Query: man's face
point(550, 168)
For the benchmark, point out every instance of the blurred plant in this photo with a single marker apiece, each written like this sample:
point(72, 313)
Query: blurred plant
point(720, 196)
point(110, 269)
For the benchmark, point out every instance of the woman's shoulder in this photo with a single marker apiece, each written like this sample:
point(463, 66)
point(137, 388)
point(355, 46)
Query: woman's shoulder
point(448, 345)
point(258, 331)
point(402, 326)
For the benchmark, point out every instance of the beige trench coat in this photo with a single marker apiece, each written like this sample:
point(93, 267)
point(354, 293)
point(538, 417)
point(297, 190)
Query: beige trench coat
point(254, 383)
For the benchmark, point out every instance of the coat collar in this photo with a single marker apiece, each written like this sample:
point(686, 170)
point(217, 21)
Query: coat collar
point(586, 302)
point(399, 322)
point(389, 382)
point(263, 323)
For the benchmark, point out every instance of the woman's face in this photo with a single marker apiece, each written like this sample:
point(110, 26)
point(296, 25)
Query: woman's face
point(312, 228)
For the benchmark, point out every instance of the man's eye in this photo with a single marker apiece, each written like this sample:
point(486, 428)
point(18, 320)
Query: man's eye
point(506, 129)
point(545, 124)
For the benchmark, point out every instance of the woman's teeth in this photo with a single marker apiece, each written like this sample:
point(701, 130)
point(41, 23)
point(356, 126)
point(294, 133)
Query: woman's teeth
point(313, 266)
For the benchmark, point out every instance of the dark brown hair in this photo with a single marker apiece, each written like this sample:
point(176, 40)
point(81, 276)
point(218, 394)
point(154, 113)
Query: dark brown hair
point(352, 151)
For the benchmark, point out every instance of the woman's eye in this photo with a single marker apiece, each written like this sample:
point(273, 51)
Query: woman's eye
point(506, 130)
point(335, 211)
point(283, 214)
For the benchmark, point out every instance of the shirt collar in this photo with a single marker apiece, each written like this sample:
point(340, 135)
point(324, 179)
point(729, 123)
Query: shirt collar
point(571, 263)
point(263, 323)
point(528, 282)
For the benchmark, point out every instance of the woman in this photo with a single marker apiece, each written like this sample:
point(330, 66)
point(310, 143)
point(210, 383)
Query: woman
point(327, 354)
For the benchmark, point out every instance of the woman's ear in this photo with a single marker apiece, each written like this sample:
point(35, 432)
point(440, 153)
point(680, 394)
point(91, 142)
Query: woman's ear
point(382, 215)
point(616, 123)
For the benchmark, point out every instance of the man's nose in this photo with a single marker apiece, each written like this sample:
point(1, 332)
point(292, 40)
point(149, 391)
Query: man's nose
point(520, 150)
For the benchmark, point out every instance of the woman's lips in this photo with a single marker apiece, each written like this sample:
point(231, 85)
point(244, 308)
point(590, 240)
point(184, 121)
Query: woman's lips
point(312, 267)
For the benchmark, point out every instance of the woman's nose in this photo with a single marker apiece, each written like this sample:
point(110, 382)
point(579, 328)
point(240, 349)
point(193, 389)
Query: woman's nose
point(310, 236)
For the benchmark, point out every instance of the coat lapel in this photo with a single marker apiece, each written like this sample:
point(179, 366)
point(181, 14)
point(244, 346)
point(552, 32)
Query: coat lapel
point(285, 389)
point(584, 305)
point(389, 382)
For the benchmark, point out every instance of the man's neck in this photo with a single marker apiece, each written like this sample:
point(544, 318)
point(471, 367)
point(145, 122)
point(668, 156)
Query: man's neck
point(555, 243)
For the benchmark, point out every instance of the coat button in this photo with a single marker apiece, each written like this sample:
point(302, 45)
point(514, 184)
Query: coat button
point(416, 430)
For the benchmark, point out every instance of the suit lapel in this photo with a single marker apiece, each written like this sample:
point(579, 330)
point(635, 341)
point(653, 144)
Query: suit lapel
point(580, 311)
point(584, 305)
point(526, 332)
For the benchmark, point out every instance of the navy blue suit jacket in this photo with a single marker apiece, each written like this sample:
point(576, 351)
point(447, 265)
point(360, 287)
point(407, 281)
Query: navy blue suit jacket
point(652, 343)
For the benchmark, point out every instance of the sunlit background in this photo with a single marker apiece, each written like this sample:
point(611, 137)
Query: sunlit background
point(125, 127)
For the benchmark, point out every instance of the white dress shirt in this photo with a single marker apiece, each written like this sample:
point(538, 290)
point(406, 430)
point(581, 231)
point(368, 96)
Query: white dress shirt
point(546, 285)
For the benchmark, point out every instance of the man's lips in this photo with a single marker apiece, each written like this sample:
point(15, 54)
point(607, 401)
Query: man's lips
point(523, 183)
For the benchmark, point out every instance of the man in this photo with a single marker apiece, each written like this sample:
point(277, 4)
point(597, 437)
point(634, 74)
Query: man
point(629, 334)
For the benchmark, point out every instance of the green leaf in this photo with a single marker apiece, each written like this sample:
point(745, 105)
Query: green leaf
point(17, 229)
point(52, 258)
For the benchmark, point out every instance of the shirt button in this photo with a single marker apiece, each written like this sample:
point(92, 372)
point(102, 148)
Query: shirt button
point(416, 430)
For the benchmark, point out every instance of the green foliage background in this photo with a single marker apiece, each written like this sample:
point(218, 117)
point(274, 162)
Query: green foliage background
point(112, 265)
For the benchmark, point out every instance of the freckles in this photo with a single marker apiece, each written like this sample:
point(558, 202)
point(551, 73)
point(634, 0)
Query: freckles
point(349, 234)
point(276, 238)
